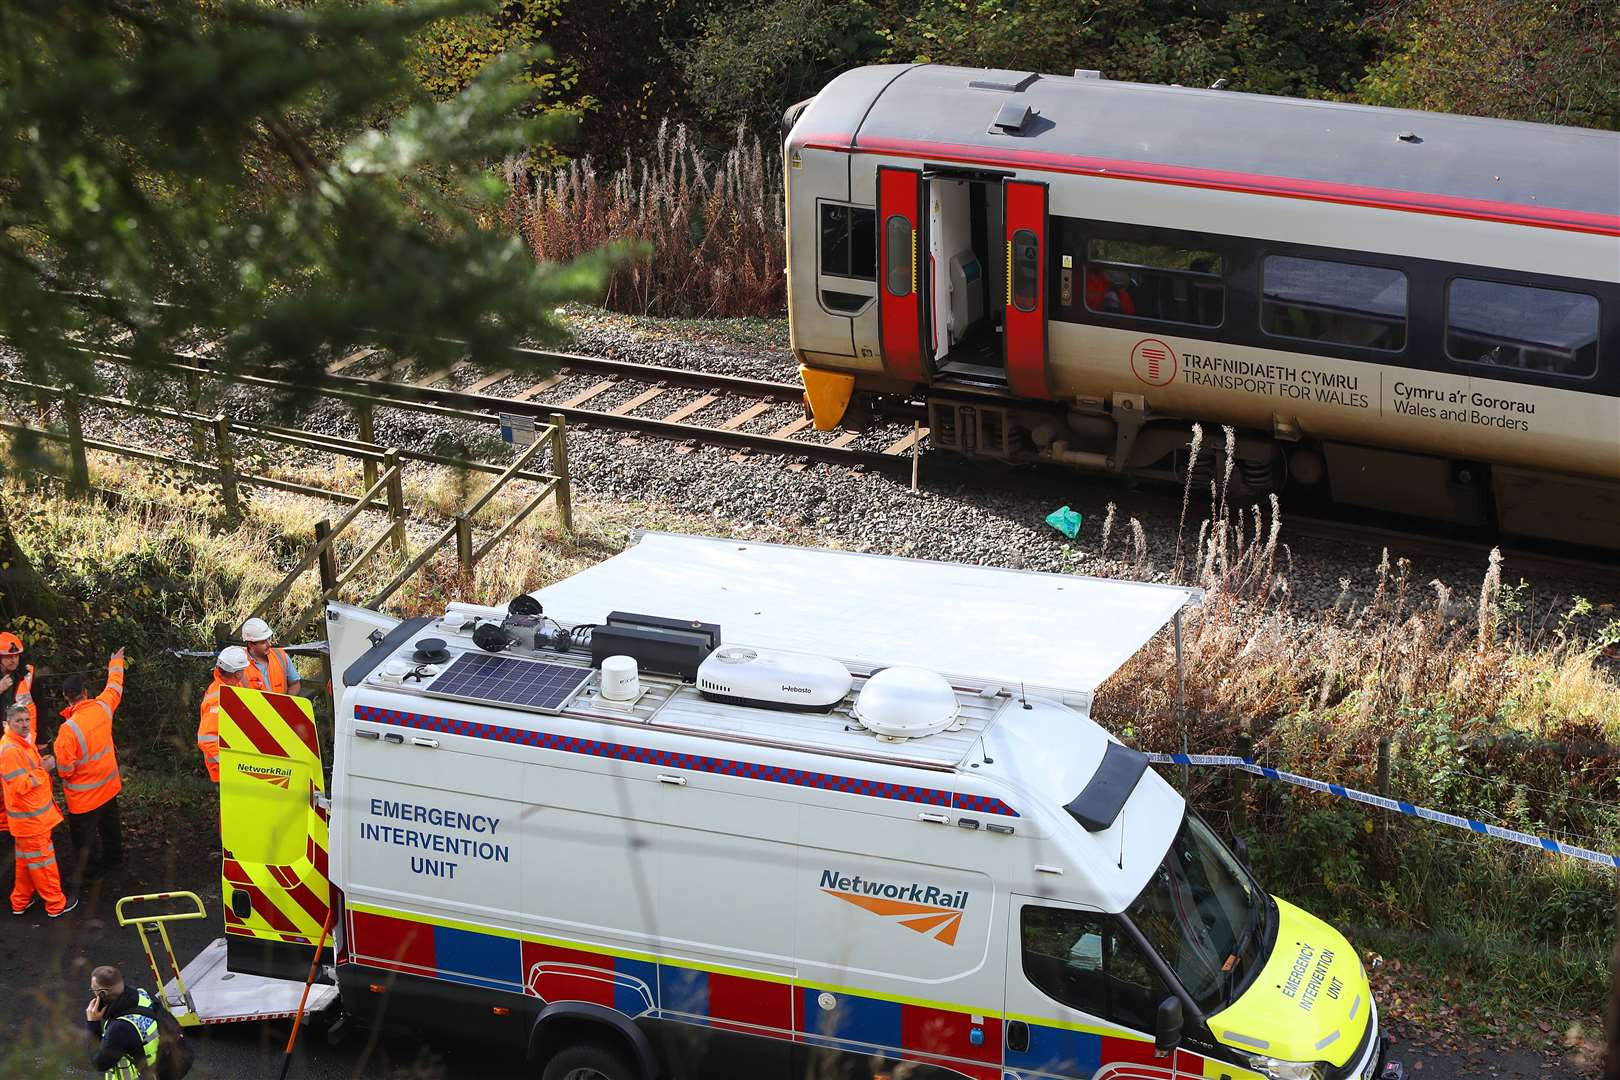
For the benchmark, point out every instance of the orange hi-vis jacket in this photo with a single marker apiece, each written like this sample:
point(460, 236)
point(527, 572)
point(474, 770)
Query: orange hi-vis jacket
point(208, 729)
point(29, 806)
point(85, 758)
point(24, 693)
point(279, 668)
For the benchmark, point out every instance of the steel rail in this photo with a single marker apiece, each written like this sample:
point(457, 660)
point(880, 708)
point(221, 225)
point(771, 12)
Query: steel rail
point(454, 404)
point(685, 377)
point(740, 440)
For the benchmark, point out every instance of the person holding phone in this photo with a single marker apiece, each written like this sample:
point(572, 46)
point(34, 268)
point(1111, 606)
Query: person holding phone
point(124, 1022)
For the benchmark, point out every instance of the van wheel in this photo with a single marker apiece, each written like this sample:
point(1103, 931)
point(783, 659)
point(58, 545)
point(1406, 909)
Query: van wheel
point(590, 1061)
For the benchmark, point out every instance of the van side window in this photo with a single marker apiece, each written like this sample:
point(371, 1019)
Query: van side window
point(1522, 326)
point(849, 241)
point(899, 256)
point(1340, 303)
point(1145, 280)
point(1087, 962)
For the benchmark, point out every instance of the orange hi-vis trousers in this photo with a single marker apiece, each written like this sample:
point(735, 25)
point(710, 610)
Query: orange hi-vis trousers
point(37, 872)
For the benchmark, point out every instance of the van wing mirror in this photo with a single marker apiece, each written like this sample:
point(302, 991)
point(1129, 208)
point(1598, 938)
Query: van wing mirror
point(1167, 1032)
point(1240, 848)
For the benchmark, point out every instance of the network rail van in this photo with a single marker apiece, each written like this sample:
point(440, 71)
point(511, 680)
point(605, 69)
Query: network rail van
point(722, 809)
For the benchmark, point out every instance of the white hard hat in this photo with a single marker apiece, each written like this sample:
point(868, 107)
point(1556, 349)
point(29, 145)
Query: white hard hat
point(255, 630)
point(232, 659)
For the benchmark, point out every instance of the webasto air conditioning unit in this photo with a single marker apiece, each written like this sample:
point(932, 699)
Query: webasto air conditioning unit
point(764, 679)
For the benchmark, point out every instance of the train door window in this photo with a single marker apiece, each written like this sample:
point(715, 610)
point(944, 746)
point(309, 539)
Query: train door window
point(1145, 280)
point(1522, 326)
point(899, 256)
point(1087, 962)
point(1340, 303)
point(849, 241)
point(1026, 254)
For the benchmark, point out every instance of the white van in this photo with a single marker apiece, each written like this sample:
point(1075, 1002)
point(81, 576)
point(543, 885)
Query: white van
point(839, 815)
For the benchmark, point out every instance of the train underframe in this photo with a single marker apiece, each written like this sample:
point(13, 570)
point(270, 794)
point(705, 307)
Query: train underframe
point(1121, 436)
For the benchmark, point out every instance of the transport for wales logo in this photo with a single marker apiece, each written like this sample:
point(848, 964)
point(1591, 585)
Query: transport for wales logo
point(1154, 362)
point(925, 909)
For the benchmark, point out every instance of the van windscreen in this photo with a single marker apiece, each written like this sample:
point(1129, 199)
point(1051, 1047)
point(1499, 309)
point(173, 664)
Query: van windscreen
point(1205, 915)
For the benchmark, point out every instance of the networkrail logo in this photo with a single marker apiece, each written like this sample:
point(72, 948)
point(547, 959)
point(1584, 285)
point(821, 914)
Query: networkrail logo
point(925, 909)
point(280, 778)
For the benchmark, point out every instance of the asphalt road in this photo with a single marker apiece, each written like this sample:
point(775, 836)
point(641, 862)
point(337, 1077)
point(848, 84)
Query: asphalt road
point(46, 968)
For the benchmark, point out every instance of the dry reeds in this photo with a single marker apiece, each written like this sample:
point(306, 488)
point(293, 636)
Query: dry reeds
point(700, 237)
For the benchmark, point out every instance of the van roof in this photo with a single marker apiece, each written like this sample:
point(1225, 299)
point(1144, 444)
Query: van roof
point(1054, 633)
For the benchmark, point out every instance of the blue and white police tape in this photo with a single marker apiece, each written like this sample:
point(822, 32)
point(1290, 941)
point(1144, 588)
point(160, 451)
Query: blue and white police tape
point(1399, 807)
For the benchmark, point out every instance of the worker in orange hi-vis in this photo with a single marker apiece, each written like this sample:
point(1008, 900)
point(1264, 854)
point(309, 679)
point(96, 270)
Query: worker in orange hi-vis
point(271, 668)
point(228, 671)
point(26, 780)
point(16, 686)
point(87, 762)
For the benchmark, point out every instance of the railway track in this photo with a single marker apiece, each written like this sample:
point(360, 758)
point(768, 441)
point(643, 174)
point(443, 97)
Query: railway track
point(688, 407)
point(693, 408)
point(679, 404)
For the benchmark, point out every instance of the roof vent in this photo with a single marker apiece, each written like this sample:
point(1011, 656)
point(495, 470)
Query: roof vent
point(1012, 118)
point(1008, 82)
point(902, 703)
point(1087, 73)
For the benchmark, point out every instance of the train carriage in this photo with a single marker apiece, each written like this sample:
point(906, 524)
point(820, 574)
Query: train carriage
point(1417, 312)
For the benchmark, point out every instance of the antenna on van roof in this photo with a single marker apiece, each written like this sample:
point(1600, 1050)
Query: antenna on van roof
point(1024, 700)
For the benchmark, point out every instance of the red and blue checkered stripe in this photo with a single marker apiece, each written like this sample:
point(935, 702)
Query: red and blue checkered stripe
point(671, 759)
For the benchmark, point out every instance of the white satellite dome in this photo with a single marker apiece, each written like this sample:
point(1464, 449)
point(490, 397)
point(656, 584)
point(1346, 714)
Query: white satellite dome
point(906, 703)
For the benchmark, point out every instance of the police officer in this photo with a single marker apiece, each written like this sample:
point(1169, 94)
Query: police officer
point(124, 1022)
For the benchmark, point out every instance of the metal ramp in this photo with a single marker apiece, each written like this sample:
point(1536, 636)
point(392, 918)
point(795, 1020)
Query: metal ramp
point(206, 991)
point(215, 995)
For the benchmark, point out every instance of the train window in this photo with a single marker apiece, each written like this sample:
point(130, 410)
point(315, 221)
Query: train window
point(899, 256)
point(1341, 303)
point(1522, 326)
point(849, 241)
point(1026, 269)
point(1154, 281)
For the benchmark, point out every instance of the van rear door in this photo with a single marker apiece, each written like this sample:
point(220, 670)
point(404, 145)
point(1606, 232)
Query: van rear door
point(273, 832)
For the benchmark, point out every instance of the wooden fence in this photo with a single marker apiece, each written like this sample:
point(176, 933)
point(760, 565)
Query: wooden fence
point(213, 455)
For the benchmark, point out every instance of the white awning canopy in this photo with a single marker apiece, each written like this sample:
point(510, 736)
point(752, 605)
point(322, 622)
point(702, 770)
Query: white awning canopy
point(1053, 632)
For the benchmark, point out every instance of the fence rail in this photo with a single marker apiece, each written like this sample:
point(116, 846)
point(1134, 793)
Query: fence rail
point(216, 438)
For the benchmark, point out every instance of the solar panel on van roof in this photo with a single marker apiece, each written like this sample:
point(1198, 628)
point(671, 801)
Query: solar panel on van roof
point(507, 680)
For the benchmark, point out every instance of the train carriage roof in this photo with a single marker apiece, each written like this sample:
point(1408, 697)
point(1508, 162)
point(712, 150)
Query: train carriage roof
point(1540, 172)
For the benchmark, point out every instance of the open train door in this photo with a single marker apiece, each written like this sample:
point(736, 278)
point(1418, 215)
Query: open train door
point(900, 291)
point(273, 832)
point(1024, 220)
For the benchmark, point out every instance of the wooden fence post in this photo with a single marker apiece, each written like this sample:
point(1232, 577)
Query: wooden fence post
point(396, 499)
point(78, 466)
point(365, 423)
point(1244, 747)
point(464, 544)
point(559, 468)
point(227, 466)
point(328, 559)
